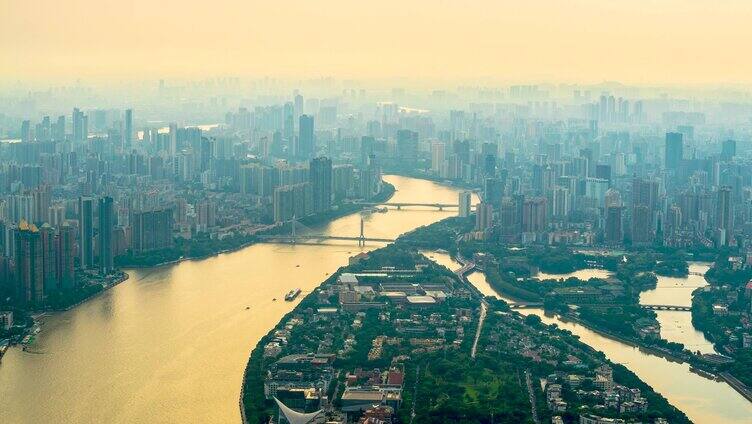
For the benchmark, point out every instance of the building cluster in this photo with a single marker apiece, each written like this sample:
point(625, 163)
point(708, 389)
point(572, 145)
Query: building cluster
point(301, 378)
point(80, 190)
point(581, 384)
point(598, 390)
point(599, 193)
point(725, 311)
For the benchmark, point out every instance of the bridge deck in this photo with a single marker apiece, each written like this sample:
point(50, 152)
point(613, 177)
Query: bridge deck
point(323, 237)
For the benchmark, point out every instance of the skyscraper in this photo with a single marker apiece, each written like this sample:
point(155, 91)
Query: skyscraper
point(321, 180)
point(674, 150)
point(465, 198)
point(288, 122)
point(47, 241)
point(299, 108)
point(561, 206)
point(86, 232)
point(728, 150)
point(64, 245)
point(642, 232)
point(438, 157)
point(29, 263)
point(26, 131)
point(483, 216)
point(407, 147)
point(305, 147)
point(128, 136)
point(534, 215)
point(106, 228)
point(152, 230)
point(724, 218)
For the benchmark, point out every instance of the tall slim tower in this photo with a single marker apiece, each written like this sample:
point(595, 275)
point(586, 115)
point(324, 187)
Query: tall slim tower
point(128, 136)
point(674, 150)
point(106, 227)
point(724, 217)
point(305, 147)
point(64, 247)
point(465, 198)
point(29, 263)
point(321, 181)
point(86, 232)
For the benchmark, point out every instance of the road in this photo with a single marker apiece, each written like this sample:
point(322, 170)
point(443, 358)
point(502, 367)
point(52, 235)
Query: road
point(481, 320)
point(467, 267)
point(415, 393)
point(531, 394)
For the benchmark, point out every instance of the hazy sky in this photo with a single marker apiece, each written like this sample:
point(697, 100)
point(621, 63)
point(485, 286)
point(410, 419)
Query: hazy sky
point(635, 41)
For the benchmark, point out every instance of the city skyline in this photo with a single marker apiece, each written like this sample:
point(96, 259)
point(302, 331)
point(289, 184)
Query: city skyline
point(338, 212)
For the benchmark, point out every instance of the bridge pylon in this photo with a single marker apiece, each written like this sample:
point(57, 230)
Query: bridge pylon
point(362, 237)
point(294, 220)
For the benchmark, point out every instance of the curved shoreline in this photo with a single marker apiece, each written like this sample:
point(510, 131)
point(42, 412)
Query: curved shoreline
point(384, 196)
point(381, 198)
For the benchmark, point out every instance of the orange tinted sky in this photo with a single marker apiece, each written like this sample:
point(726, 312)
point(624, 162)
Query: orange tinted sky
point(637, 41)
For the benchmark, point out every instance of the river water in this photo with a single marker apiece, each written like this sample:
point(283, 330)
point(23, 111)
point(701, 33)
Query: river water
point(703, 400)
point(676, 326)
point(170, 344)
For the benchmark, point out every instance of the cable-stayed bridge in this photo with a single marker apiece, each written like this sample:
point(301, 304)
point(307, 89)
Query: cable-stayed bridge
point(295, 237)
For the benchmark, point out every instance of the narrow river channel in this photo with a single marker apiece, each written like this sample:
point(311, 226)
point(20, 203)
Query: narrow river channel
point(703, 400)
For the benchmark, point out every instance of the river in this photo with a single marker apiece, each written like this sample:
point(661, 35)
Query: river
point(170, 344)
point(676, 326)
point(703, 400)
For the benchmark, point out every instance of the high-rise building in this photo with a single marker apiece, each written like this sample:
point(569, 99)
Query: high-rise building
point(407, 147)
point(534, 212)
point(483, 216)
point(47, 240)
point(724, 217)
point(206, 212)
point(509, 219)
point(64, 254)
point(614, 234)
point(369, 182)
point(306, 144)
point(152, 230)
point(292, 201)
point(299, 106)
point(561, 205)
point(58, 132)
point(728, 150)
point(674, 150)
point(493, 190)
point(438, 157)
point(128, 136)
point(321, 184)
point(26, 131)
point(106, 229)
point(343, 182)
point(29, 263)
point(78, 124)
point(465, 199)
point(288, 121)
point(642, 232)
point(86, 232)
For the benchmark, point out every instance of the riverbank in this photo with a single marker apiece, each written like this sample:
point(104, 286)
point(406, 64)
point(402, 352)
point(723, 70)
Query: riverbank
point(697, 365)
point(491, 336)
point(345, 209)
point(387, 192)
point(129, 350)
point(123, 277)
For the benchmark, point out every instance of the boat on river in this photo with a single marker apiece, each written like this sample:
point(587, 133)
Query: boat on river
point(292, 294)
